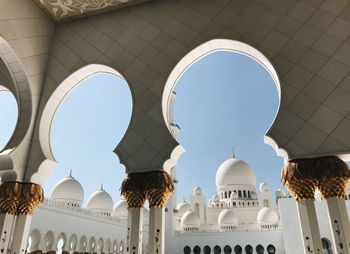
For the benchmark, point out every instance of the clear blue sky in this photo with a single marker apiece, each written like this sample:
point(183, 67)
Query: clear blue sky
point(224, 100)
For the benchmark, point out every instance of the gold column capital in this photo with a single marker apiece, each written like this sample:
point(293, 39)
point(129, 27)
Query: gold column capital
point(155, 186)
point(132, 190)
point(329, 174)
point(159, 187)
point(18, 198)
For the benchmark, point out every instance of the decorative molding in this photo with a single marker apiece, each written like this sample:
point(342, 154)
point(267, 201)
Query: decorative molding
point(61, 10)
point(18, 198)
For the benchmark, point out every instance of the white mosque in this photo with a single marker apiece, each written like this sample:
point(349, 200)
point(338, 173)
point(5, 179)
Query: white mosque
point(238, 218)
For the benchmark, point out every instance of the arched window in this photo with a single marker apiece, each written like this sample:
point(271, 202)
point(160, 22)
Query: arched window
point(259, 249)
point(249, 194)
point(239, 193)
point(266, 203)
point(196, 208)
point(217, 249)
point(271, 249)
point(225, 194)
point(327, 246)
point(227, 249)
point(248, 249)
point(196, 250)
point(206, 249)
point(187, 250)
point(234, 203)
point(244, 194)
point(238, 249)
point(229, 194)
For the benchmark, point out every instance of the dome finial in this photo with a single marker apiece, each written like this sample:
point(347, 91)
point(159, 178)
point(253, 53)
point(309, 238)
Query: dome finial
point(101, 188)
point(71, 173)
point(233, 152)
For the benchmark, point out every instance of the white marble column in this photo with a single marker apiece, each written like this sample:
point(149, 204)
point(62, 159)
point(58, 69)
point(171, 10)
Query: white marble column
point(309, 227)
point(134, 234)
point(6, 225)
point(20, 234)
point(340, 226)
point(156, 230)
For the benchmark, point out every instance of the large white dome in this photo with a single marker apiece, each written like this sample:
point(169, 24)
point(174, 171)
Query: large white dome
point(68, 190)
point(120, 209)
point(267, 216)
point(227, 218)
point(235, 172)
point(100, 201)
point(190, 220)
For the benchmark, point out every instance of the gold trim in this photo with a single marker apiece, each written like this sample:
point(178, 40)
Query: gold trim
point(155, 186)
point(19, 198)
point(328, 174)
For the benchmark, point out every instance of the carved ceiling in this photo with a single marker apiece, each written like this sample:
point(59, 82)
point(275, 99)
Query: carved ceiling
point(61, 10)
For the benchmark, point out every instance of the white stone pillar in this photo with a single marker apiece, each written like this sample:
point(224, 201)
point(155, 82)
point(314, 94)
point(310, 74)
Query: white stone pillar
point(21, 234)
point(6, 225)
point(156, 230)
point(309, 227)
point(134, 234)
point(340, 226)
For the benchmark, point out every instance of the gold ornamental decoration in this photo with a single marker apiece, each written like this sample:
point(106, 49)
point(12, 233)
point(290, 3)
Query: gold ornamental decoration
point(155, 186)
point(159, 186)
point(19, 198)
point(328, 174)
point(132, 190)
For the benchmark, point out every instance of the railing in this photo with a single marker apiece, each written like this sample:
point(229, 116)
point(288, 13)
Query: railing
point(81, 210)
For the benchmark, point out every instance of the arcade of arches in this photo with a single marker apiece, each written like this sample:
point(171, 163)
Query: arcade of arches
point(304, 45)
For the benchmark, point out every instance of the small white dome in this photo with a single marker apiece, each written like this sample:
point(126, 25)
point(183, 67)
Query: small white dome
point(183, 207)
point(190, 220)
point(227, 218)
point(120, 209)
point(215, 198)
point(100, 201)
point(197, 191)
point(267, 216)
point(280, 193)
point(209, 202)
point(68, 190)
point(234, 172)
point(264, 187)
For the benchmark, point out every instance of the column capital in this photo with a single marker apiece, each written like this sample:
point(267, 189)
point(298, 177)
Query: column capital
point(132, 190)
point(155, 186)
point(329, 174)
point(159, 186)
point(18, 198)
